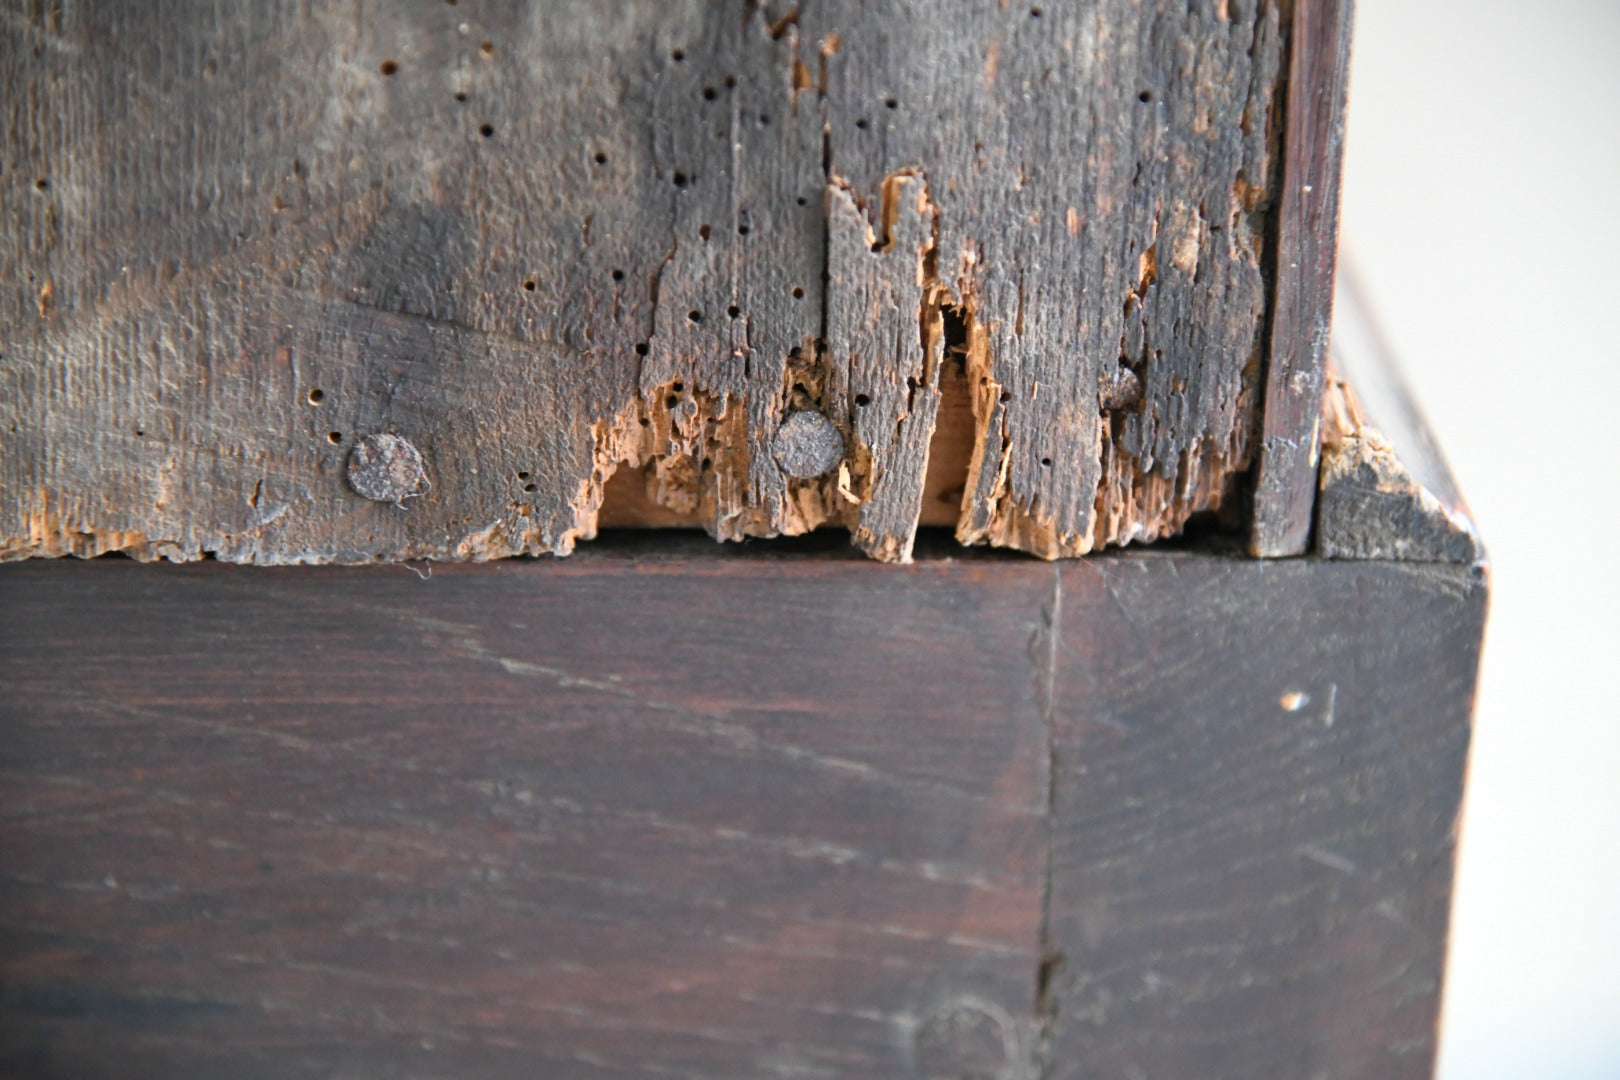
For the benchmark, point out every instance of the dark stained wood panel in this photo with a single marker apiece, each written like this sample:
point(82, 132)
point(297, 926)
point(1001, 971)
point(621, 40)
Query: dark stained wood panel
point(784, 821)
point(676, 810)
point(1306, 253)
point(545, 243)
point(1260, 769)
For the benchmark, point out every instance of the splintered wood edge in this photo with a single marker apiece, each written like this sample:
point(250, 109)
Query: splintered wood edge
point(627, 502)
point(1384, 490)
point(1370, 505)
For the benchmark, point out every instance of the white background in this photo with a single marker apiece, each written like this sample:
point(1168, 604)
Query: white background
point(1482, 204)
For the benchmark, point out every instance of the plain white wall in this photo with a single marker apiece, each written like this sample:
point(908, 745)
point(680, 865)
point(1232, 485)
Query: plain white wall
point(1482, 205)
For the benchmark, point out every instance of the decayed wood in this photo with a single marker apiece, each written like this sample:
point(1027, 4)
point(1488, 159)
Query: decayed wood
point(667, 809)
point(1306, 255)
point(1385, 491)
point(627, 504)
point(548, 244)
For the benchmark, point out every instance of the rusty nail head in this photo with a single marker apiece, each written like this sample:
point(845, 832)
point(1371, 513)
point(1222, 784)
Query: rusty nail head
point(808, 445)
point(385, 468)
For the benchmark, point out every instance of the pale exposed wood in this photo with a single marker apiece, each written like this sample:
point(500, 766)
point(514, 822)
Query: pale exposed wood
point(627, 504)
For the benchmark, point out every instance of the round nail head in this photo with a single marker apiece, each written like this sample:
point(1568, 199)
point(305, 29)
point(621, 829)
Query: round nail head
point(385, 468)
point(808, 445)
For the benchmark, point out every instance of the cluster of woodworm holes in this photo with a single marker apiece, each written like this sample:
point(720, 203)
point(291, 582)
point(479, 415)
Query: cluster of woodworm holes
point(680, 179)
point(390, 67)
point(315, 397)
point(486, 49)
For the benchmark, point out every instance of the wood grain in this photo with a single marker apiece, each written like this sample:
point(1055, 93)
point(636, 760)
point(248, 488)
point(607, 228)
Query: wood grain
point(670, 809)
point(298, 824)
point(1259, 771)
point(1306, 253)
point(556, 243)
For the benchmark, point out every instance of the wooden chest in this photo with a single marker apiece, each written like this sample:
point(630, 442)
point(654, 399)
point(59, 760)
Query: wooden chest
point(416, 284)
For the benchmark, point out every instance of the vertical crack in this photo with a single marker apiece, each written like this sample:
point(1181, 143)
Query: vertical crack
point(654, 286)
point(1052, 958)
point(826, 232)
point(1269, 256)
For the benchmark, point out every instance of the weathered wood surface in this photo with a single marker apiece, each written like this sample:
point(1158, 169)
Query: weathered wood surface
point(666, 809)
point(1385, 491)
point(545, 243)
point(1306, 256)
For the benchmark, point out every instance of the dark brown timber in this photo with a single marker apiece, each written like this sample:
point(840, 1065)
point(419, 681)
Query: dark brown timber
point(1307, 246)
point(667, 809)
point(1258, 771)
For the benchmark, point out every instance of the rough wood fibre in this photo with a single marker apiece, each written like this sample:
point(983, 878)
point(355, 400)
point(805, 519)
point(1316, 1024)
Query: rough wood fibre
point(549, 243)
point(1384, 489)
point(1370, 506)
